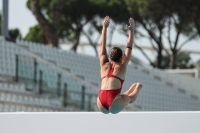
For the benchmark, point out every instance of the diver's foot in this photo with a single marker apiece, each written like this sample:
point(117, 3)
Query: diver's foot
point(134, 94)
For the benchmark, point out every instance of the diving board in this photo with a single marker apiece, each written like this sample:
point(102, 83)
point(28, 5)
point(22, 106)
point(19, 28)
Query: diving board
point(96, 122)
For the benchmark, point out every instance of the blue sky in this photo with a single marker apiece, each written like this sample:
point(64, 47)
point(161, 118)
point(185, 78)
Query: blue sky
point(22, 18)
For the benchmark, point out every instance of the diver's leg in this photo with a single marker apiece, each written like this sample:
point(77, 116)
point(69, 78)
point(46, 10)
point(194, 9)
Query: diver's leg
point(121, 101)
point(133, 95)
point(101, 108)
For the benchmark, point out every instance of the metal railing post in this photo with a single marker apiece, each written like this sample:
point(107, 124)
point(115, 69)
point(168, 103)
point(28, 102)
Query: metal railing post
point(40, 83)
point(83, 98)
point(16, 71)
point(35, 71)
point(59, 83)
point(65, 95)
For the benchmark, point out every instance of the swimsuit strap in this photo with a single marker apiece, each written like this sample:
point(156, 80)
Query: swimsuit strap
point(111, 70)
point(111, 75)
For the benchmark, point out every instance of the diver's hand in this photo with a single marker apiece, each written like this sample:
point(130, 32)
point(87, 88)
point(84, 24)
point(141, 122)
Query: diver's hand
point(132, 24)
point(106, 22)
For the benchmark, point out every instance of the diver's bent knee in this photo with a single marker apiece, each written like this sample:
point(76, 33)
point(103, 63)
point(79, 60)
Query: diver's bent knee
point(105, 112)
point(113, 111)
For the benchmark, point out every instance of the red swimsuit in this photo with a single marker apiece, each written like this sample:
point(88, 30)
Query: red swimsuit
point(106, 97)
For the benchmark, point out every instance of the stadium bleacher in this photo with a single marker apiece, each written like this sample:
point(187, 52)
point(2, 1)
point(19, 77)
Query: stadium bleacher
point(161, 91)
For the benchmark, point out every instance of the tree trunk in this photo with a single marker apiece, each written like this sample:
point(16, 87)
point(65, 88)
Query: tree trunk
point(197, 26)
point(95, 49)
point(160, 56)
point(74, 47)
point(173, 59)
point(49, 30)
point(93, 44)
point(159, 59)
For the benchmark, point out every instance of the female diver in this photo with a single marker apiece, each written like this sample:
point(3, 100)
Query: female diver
point(110, 99)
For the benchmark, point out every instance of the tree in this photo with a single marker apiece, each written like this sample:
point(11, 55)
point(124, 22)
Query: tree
point(158, 18)
point(182, 19)
point(77, 14)
point(15, 34)
point(192, 7)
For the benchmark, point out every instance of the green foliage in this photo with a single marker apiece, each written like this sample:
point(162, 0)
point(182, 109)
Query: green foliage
point(35, 34)
point(183, 61)
point(15, 34)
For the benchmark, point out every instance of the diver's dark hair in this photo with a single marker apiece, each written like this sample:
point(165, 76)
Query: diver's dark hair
point(115, 54)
